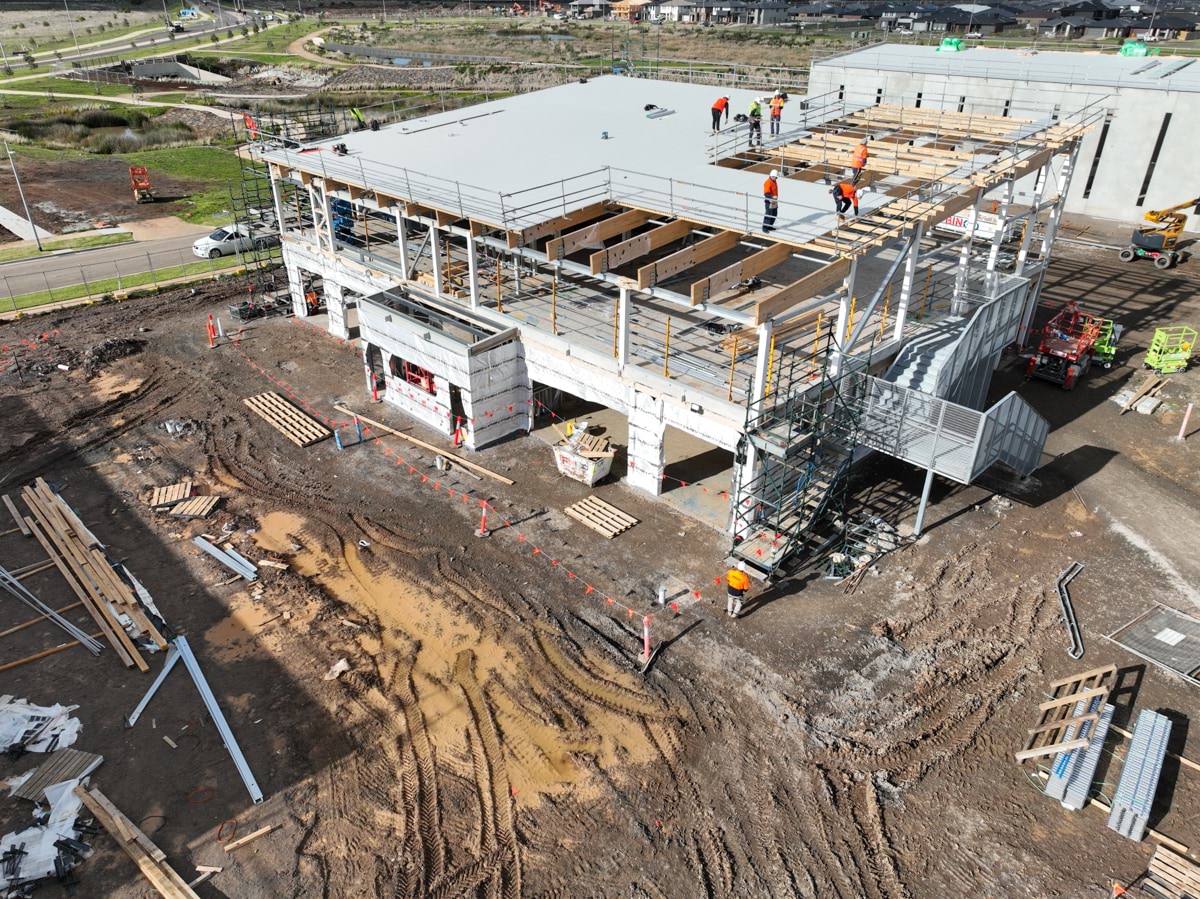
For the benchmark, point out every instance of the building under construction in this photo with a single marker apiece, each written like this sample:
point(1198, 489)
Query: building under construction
point(598, 240)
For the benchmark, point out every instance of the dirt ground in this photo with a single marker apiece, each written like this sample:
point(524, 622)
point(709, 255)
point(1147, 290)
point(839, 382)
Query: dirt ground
point(491, 736)
point(89, 189)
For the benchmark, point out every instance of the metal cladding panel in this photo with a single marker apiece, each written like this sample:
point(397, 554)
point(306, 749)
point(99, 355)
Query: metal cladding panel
point(1139, 775)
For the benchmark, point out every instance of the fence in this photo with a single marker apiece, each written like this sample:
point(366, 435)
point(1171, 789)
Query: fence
point(92, 280)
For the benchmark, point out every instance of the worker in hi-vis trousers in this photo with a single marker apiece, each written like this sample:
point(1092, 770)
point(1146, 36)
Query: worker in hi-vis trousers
point(737, 582)
point(858, 160)
point(755, 116)
point(721, 106)
point(777, 112)
point(770, 202)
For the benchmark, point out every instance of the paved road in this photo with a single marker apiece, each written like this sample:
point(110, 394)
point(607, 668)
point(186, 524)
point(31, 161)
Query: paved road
point(66, 269)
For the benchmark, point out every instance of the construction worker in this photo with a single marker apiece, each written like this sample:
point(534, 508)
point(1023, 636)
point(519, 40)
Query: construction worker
point(721, 106)
point(770, 202)
point(777, 112)
point(737, 582)
point(755, 116)
point(845, 195)
point(858, 159)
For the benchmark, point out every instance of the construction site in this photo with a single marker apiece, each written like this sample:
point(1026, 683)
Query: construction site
point(605, 491)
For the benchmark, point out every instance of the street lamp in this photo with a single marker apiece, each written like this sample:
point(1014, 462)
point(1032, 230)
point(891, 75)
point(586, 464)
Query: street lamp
point(67, 9)
point(21, 191)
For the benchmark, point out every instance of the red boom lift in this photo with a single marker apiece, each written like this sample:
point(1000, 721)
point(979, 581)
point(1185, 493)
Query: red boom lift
point(1066, 348)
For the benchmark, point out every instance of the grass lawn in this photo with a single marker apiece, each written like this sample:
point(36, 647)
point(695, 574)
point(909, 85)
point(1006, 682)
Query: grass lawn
point(216, 166)
point(9, 254)
point(198, 269)
point(58, 85)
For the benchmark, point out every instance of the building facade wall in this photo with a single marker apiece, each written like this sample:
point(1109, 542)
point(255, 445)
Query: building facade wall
point(1137, 117)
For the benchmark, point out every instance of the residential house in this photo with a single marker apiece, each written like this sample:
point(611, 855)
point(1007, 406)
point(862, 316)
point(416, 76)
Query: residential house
point(590, 9)
point(1168, 26)
point(769, 12)
point(953, 20)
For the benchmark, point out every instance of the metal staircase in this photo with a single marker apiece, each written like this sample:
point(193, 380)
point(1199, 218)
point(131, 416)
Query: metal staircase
point(803, 434)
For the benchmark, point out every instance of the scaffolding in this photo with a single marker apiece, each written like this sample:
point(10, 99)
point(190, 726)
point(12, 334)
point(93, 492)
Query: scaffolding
point(802, 433)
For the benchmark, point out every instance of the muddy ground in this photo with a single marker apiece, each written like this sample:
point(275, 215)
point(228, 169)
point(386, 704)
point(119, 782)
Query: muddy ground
point(491, 737)
point(88, 190)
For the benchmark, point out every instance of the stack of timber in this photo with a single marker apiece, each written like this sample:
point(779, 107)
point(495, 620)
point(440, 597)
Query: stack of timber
point(196, 507)
point(63, 765)
point(1172, 876)
point(81, 559)
point(151, 860)
point(602, 517)
point(299, 427)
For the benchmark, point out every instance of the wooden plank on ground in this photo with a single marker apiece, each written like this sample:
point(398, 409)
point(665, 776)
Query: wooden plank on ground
point(60, 766)
point(294, 423)
point(196, 507)
point(171, 494)
point(12, 510)
point(807, 287)
point(669, 266)
point(604, 518)
point(757, 263)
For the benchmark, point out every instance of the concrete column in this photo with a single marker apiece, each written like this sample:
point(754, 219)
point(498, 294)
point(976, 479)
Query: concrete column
point(402, 241)
point(296, 291)
point(1031, 221)
point(1002, 225)
point(646, 431)
point(472, 272)
point(335, 305)
point(623, 311)
point(843, 319)
point(435, 254)
point(957, 305)
point(907, 284)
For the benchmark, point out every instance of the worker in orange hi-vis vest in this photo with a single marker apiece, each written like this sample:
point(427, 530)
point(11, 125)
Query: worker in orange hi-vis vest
point(737, 582)
point(770, 202)
point(721, 106)
point(777, 112)
point(845, 195)
point(858, 160)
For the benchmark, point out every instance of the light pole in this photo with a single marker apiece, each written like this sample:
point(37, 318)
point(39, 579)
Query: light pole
point(67, 10)
point(21, 191)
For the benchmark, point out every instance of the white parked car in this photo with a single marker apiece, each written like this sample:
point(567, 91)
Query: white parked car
point(975, 34)
point(230, 240)
point(904, 32)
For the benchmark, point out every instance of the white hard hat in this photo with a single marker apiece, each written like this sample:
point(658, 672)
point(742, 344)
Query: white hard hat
point(741, 566)
point(774, 173)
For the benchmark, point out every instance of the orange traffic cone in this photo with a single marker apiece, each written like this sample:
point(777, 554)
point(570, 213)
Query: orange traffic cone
point(1117, 890)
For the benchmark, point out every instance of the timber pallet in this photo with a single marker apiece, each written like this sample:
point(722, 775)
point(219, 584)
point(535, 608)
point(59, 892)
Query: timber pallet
point(601, 517)
point(1172, 876)
point(171, 494)
point(63, 765)
point(297, 426)
point(196, 507)
point(1058, 729)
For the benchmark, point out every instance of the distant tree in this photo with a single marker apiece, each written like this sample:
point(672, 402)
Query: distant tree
point(213, 38)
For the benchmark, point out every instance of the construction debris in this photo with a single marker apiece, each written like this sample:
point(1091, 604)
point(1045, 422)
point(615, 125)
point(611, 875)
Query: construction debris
point(25, 727)
point(1074, 637)
point(49, 847)
point(231, 559)
point(250, 837)
point(1139, 775)
point(149, 858)
point(1149, 387)
point(181, 650)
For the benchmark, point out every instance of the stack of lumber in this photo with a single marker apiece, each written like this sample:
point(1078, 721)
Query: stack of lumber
point(1149, 387)
point(602, 517)
point(1172, 875)
point(165, 497)
point(80, 558)
point(63, 765)
point(151, 860)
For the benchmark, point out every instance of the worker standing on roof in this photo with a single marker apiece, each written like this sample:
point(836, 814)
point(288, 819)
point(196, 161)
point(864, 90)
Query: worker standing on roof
point(755, 117)
point(777, 112)
point(721, 106)
point(770, 202)
point(737, 582)
point(845, 195)
point(858, 160)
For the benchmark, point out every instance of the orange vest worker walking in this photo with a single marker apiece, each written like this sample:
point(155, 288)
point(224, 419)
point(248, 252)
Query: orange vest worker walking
point(737, 582)
point(721, 106)
point(858, 161)
point(770, 202)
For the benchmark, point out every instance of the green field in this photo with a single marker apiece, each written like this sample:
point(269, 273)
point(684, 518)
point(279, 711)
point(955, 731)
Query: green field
point(216, 166)
point(109, 285)
point(10, 254)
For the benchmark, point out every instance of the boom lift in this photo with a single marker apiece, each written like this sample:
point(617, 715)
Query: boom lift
point(1159, 242)
point(1067, 346)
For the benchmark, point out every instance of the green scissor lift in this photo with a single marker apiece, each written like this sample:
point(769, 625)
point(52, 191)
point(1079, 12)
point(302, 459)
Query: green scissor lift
point(1106, 343)
point(1170, 349)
